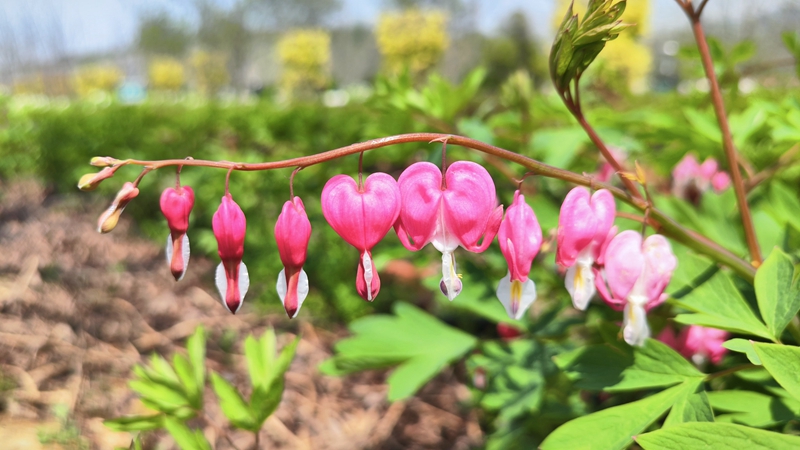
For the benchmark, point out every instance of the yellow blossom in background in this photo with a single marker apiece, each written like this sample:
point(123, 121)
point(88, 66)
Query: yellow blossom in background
point(412, 38)
point(97, 78)
point(31, 85)
point(305, 56)
point(626, 59)
point(166, 74)
point(210, 71)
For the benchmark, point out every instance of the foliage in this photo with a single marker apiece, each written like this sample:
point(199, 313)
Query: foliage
point(210, 71)
point(160, 34)
point(305, 55)
point(175, 391)
point(412, 39)
point(166, 74)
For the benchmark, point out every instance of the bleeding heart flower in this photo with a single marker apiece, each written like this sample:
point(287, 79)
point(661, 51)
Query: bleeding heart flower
point(232, 279)
point(520, 237)
point(292, 233)
point(176, 205)
point(455, 213)
point(690, 179)
point(636, 273)
point(696, 343)
point(585, 225)
point(362, 215)
point(108, 220)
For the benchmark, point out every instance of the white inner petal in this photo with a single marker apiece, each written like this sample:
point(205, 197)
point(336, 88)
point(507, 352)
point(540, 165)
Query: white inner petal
point(282, 286)
point(169, 249)
point(186, 252)
point(580, 284)
point(302, 289)
point(450, 284)
point(442, 240)
point(366, 263)
point(515, 296)
point(635, 330)
point(244, 284)
point(222, 284)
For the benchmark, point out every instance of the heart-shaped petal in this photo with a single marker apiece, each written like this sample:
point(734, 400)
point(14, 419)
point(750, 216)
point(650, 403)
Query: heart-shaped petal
point(469, 204)
point(421, 196)
point(577, 226)
point(624, 263)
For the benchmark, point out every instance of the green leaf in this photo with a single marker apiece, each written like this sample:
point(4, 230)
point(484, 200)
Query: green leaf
point(188, 380)
point(135, 423)
point(718, 304)
point(692, 407)
point(256, 364)
point(704, 124)
point(777, 291)
point(743, 346)
point(656, 365)
point(614, 428)
point(264, 401)
point(165, 398)
point(232, 404)
point(409, 338)
point(783, 363)
point(752, 408)
point(594, 367)
point(196, 348)
point(184, 437)
point(703, 435)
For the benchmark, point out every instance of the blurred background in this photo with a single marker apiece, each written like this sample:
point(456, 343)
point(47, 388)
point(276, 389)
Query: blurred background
point(262, 80)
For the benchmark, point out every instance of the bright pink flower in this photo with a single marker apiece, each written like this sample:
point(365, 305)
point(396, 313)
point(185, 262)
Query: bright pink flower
point(690, 179)
point(636, 274)
point(720, 181)
point(455, 213)
point(362, 216)
point(585, 224)
point(229, 225)
point(292, 233)
point(520, 237)
point(697, 343)
point(176, 205)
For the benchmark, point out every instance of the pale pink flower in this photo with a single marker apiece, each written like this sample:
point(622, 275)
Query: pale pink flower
point(232, 278)
point(720, 182)
point(520, 238)
point(458, 212)
point(690, 179)
point(585, 224)
point(292, 233)
point(696, 343)
point(636, 274)
point(176, 205)
point(362, 215)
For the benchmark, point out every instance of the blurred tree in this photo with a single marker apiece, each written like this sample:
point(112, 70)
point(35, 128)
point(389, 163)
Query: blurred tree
point(160, 34)
point(165, 73)
point(283, 14)
point(514, 49)
point(224, 31)
point(210, 71)
point(412, 39)
point(97, 78)
point(305, 55)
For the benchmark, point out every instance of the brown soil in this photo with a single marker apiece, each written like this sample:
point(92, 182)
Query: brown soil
point(79, 309)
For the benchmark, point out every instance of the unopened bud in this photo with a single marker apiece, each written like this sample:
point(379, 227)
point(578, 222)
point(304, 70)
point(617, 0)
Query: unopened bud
point(90, 181)
point(103, 161)
point(108, 220)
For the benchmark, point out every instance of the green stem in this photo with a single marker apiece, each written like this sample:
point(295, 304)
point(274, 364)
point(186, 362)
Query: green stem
point(671, 228)
point(729, 371)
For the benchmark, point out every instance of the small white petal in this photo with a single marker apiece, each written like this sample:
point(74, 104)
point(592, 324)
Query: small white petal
point(450, 285)
point(244, 284)
point(366, 263)
point(186, 253)
point(282, 286)
point(168, 249)
point(302, 289)
point(516, 297)
point(635, 329)
point(222, 284)
point(579, 281)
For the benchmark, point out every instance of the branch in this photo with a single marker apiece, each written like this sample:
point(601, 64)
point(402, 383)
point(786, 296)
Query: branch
point(670, 227)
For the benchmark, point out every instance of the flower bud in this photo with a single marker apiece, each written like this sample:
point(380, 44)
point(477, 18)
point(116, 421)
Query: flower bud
point(232, 279)
point(103, 161)
point(108, 220)
point(292, 233)
point(90, 181)
point(176, 205)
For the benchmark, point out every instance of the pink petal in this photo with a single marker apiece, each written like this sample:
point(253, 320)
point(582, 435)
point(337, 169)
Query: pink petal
point(624, 263)
point(659, 263)
point(605, 210)
point(470, 204)
point(292, 233)
point(229, 225)
point(600, 250)
point(720, 181)
point(708, 169)
point(176, 205)
point(686, 169)
point(520, 237)
point(577, 226)
point(421, 195)
point(602, 290)
point(368, 284)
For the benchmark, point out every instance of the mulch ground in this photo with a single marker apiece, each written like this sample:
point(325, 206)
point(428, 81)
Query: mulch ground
point(79, 309)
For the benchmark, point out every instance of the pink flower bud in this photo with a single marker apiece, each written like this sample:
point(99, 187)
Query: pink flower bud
point(103, 161)
point(232, 279)
point(697, 344)
point(292, 233)
point(362, 216)
point(176, 205)
point(635, 276)
point(108, 220)
point(720, 182)
point(90, 181)
point(462, 212)
point(520, 237)
point(585, 224)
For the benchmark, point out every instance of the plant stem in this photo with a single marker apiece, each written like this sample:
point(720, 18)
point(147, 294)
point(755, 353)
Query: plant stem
point(727, 138)
point(729, 371)
point(670, 227)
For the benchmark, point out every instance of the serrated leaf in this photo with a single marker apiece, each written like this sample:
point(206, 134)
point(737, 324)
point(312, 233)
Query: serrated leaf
point(135, 423)
point(692, 407)
point(196, 348)
point(704, 124)
point(594, 367)
point(777, 291)
point(743, 346)
point(184, 437)
point(167, 399)
point(411, 336)
point(752, 408)
point(232, 404)
point(188, 380)
point(264, 401)
point(718, 304)
point(704, 435)
point(614, 428)
point(256, 364)
point(783, 363)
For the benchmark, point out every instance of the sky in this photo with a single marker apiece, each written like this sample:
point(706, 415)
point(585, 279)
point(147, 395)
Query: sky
point(91, 26)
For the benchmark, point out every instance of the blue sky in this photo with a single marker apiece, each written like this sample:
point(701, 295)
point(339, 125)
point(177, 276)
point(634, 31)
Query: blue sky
point(102, 25)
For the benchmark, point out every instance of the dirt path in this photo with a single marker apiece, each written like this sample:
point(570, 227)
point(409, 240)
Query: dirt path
point(78, 310)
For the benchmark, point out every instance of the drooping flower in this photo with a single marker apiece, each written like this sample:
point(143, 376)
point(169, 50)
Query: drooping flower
point(176, 205)
point(696, 343)
point(690, 178)
point(636, 274)
point(585, 225)
point(232, 279)
point(362, 215)
point(292, 233)
point(108, 220)
point(520, 237)
point(455, 213)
